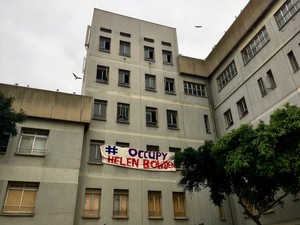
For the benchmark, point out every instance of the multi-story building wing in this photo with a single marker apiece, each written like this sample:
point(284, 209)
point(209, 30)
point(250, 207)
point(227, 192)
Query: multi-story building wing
point(140, 101)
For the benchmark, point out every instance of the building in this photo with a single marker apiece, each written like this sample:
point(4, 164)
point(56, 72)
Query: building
point(144, 95)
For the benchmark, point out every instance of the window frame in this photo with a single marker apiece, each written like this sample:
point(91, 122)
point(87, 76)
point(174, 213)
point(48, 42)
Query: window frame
point(289, 13)
point(122, 78)
point(172, 119)
point(179, 205)
point(35, 134)
point(242, 107)
point(154, 209)
point(104, 44)
point(149, 80)
point(102, 113)
point(153, 117)
point(125, 48)
point(170, 85)
point(102, 75)
point(123, 110)
point(228, 118)
point(167, 57)
point(262, 87)
point(227, 75)
point(293, 61)
point(90, 212)
point(117, 208)
point(95, 156)
point(24, 187)
point(149, 54)
point(194, 89)
point(255, 45)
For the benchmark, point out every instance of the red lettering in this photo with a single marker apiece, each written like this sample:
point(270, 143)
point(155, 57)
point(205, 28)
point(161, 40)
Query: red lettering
point(146, 164)
point(110, 159)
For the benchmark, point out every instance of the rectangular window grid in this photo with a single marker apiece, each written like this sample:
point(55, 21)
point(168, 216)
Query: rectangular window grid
point(150, 82)
point(20, 198)
point(242, 107)
point(179, 205)
point(169, 85)
point(167, 57)
point(293, 61)
point(286, 12)
point(262, 87)
point(149, 53)
point(123, 113)
point(33, 142)
point(102, 74)
point(100, 107)
point(95, 152)
point(151, 116)
point(172, 119)
point(91, 207)
point(226, 76)
point(194, 89)
point(120, 205)
point(154, 204)
point(228, 118)
point(104, 44)
point(259, 41)
point(124, 78)
point(125, 48)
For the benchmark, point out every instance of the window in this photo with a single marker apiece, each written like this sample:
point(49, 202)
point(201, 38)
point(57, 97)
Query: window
point(91, 207)
point(166, 43)
point(293, 61)
point(194, 89)
point(95, 153)
point(222, 213)
point(206, 123)
point(261, 86)
point(104, 44)
point(125, 48)
point(271, 80)
point(4, 139)
point(100, 109)
point(154, 204)
point(228, 118)
point(120, 203)
point(125, 34)
point(172, 119)
point(149, 53)
point(179, 204)
point(169, 86)
point(123, 112)
point(255, 45)
point(33, 142)
point(167, 57)
point(286, 12)
point(149, 40)
point(151, 116)
point(152, 148)
point(175, 150)
point(124, 77)
point(242, 107)
point(20, 198)
point(122, 144)
point(102, 74)
point(150, 82)
point(226, 76)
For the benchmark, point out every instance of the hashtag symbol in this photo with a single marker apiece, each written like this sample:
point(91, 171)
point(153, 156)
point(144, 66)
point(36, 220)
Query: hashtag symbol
point(111, 150)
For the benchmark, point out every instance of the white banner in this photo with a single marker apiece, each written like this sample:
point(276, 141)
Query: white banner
point(137, 159)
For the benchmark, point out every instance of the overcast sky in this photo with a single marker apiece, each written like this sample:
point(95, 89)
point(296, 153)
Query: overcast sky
point(42, 41)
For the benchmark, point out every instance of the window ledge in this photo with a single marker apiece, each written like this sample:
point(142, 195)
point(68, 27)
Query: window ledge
point(173, 128)
point(152, 125)
point(17, 214)
point(124, 54)
point(168, 63)
point(149, 60)
point(104, 50)
point(125, 122)
point(120, 217)
point(156, 218)
point(181, 218)
point(170, 92)
point(100, 119)
point(30, 155)
point(90, 217)
point(95, 163)
point(149, 89)
point(124, 85)
point(102, 81)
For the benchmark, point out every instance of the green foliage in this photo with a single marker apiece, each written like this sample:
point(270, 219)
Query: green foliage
point(260, 165)
point(8, 117)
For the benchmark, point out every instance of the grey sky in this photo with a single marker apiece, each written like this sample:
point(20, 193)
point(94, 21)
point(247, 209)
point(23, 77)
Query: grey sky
point(42, 41)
